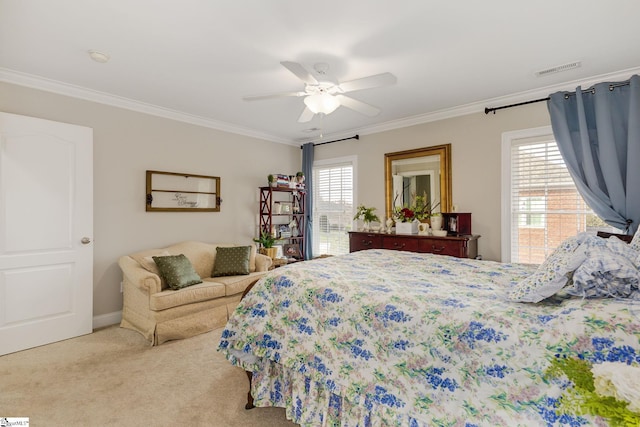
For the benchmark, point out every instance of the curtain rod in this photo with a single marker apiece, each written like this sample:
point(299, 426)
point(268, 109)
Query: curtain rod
point(337, 140)
point(493, 110)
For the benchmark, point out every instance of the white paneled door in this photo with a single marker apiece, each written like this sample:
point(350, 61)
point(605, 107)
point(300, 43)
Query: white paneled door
point(46, 232)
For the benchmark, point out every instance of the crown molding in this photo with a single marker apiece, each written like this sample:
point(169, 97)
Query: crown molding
point(479, 106)
point(49, 85)
point(41, 83)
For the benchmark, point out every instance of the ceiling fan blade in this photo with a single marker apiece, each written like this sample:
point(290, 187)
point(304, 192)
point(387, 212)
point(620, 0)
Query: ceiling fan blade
point(384, 79)
point(272, 95)
point(359, 106)
point(306, 116)
point(300, 72)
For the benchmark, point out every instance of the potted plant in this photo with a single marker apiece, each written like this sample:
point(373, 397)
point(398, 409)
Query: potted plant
point(272, 180)
point(266, 241)
point(367, 215)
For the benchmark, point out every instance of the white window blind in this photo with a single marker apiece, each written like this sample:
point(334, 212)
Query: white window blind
point(333, 195)
point(546, 207)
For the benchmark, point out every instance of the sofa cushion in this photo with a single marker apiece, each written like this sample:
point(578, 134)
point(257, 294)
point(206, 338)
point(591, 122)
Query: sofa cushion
point(231, 261)
point(177, 271)
point(201, 292)
point(202, 255)
point(237, 284)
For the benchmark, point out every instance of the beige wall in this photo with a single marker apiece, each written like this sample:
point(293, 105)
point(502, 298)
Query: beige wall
point(126, 144)
point(476, 148)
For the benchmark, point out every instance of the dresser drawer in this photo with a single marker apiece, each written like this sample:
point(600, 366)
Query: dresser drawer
point(457, 248)
point(363, 241)
point(400, 243)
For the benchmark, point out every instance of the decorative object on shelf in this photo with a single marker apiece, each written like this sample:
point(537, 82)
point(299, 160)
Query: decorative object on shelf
point(284, 231)
point(293, 184)
point(423, 229)
point(281, 180)
point(292, 251)
point(610, 390)
point(436, 221)
point(407, 227)
point(277, 208)
point(272, 180)
point(266, 241)
point(279, 251)
point(439, 233)
point(293, 226)
point(300, 180)
point(457, 223)
point(181, 192)
point(367, 215)
point(286, 207)
point(389, 224)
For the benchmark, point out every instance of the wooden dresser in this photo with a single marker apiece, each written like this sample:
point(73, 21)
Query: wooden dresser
point(459, 246)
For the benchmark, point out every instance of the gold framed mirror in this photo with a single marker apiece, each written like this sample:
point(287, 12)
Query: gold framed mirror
point(418, 171)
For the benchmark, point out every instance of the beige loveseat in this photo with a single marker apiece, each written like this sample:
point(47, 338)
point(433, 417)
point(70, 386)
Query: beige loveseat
point(161, 314)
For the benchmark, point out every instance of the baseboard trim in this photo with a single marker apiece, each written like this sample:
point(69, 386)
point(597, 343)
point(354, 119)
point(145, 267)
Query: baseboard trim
point(107, 319)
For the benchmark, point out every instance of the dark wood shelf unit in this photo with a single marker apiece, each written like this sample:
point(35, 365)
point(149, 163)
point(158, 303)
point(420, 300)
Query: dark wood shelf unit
point(268, 219)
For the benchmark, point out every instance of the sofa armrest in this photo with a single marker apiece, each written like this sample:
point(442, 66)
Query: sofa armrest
point(141, 278)
point(263, 262)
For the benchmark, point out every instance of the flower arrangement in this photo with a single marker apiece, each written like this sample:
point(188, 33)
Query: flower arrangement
point(366, 214)
point(404, 215)
point(419, 209)
point(610, 390)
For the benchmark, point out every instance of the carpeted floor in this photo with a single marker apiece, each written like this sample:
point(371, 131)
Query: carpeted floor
point(113, 378)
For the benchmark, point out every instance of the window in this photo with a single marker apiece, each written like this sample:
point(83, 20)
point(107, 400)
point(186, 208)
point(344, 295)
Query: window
point(541, 205)
point(531, 211)
point(333, 196)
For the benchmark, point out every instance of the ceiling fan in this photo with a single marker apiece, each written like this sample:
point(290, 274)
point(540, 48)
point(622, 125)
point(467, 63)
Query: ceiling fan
point(324, 95)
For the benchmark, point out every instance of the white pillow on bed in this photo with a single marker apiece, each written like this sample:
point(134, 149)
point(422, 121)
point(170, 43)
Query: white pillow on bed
point(599, 267)
point(554, 272)
point(605, 273)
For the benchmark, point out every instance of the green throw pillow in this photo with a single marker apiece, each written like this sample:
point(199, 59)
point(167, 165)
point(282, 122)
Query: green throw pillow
point(177, 271)
point(231, 261)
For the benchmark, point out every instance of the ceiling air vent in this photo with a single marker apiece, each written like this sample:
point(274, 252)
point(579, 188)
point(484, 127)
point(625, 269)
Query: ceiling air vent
point(559, 68)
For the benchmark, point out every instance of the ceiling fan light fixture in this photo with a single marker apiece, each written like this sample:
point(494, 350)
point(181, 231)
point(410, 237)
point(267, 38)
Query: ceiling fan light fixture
point(322, 103)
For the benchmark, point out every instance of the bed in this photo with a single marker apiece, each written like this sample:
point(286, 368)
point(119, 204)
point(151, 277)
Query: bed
point(396, 338)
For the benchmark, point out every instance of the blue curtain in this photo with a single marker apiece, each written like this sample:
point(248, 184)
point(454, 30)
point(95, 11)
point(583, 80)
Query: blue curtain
point(307, 169)
point(598, 135)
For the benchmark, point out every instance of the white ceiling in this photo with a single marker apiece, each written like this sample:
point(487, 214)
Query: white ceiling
point(194, 60)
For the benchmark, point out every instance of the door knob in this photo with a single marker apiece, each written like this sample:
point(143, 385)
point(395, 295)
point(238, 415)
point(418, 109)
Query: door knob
point(85, 240)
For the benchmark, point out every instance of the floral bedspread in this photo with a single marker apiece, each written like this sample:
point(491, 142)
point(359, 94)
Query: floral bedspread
point(404, 339)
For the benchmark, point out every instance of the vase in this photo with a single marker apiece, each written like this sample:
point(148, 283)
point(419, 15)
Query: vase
point(436, 222)
point(407, 227)
point(365, 226)
point(270, 252)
